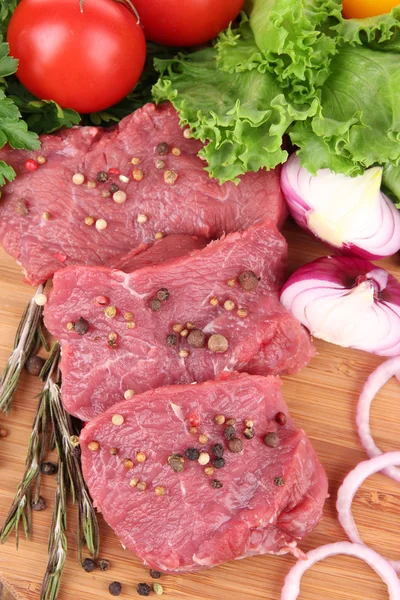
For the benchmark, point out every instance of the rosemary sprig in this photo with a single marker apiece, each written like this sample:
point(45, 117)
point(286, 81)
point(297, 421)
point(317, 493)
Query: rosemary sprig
point(27, 340)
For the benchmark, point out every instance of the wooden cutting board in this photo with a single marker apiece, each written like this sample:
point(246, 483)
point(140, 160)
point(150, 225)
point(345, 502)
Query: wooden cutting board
point(322, 399)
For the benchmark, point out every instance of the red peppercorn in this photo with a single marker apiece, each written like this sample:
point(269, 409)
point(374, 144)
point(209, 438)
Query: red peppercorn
point(61, 257)
point(101, 300)
point(113, 171)
point(281, 418)
point(31, 164)
point(194, 420)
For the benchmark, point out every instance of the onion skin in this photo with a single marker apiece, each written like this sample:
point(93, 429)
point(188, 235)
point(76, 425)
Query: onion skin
point(350, 214)
point(374, 383)
point(347, 301)
point(352, 482)
point(291, 588)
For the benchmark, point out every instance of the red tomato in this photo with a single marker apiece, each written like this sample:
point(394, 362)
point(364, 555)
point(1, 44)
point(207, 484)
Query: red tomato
point(83, 60)
point(185, 22)
point(360, 9)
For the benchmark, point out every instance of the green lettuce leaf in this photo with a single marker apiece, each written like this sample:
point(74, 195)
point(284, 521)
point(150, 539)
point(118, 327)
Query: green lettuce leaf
point(296, 39)
point(380, 33)
point(391, 182)
point(358, 122)
point(241, 114)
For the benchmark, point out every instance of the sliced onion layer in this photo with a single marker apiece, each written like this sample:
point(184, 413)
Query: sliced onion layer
point(349, 488)
point(372, 386)
point(291, 588)
point(350, 214)
point(347, 301)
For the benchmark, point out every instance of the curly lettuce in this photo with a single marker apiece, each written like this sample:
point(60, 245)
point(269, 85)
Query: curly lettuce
point(241, 114)
point(380, 32)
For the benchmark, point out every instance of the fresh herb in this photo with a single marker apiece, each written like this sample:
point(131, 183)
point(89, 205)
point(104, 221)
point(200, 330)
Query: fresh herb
point(28, 338)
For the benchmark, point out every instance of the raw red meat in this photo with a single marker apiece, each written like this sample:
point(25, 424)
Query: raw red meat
point(97, 369)
point(194, 204)
point(270, 497)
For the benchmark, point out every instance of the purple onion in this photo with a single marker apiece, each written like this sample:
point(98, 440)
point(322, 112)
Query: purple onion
point(351, 214)
point(347, 301)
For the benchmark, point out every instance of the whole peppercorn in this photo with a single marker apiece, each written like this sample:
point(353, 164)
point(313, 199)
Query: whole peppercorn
point(281, 418)
point(219, 419)
point(88, 565)
point(48, 468)
point(248, 280)
point(158, 589)
point(162, 148)
point(218, 343)
point(103, 564)
point(231, 421)
point(155, 574)
point(176, 462)
point(279, 481)
point(114, 188)
point(271, 439)
point(218, 463)
point(235, 445)
point(249, 433)
point(102, 177)
point(39, 505)
point(171, 339)
point(163, 294)
point(229, 432)
point(192, 453)
point(81, 326)
point(34, 365)
point(3, 432)
point(143, 589)
point(115, 588)
point(216, 484)
point(218, 450)
point(197, 338)
point(155, 304)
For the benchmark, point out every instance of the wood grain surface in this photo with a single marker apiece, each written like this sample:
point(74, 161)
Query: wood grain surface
point(322, 399)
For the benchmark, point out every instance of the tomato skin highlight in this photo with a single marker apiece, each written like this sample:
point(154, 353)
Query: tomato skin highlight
point(86, 60)
point(186, 22)
point(361, 9)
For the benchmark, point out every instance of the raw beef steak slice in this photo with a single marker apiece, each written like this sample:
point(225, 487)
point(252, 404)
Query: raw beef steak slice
point(261, 500)
point(136, 342)
point(42, 212)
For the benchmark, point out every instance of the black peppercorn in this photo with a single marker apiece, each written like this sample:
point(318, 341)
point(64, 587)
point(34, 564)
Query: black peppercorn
point(271, 439)
point(176, 462)
point(218, 450)
point(114, 188)
point(81, 326)
point(197, 338)
point(103, 564)
point(229, 432)
point(279, 481)
point(155, 304)
point(115, 588)
point(235, 445)
point(88, 565)
point(48, 468)
point(34, 365)
point(163, 294)
point(248, 281)
point(143, 589)
point(249, 433)
point(162, 148)
point(102, 177)
point(155, 574)
point(192, 453)
point(171, 339)
point(218, 463)
point(216, 484)
point(39, 505)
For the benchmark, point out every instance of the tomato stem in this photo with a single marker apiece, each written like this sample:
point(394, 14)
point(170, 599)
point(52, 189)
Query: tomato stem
point(130, 5)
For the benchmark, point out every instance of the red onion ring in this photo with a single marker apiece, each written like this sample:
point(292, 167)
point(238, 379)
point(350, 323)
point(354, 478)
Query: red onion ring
point(291, 588)
point(374, 383)
point(348, 490)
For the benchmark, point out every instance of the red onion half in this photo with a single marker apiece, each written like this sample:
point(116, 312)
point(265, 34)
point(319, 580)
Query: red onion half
point(348, 490)
point(372, 386)
point(291, 588)
point(348, 213)
point(347, 301)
